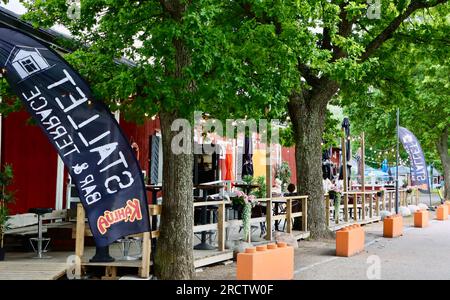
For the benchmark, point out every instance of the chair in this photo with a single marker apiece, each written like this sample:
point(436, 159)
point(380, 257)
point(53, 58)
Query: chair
point(40, 240)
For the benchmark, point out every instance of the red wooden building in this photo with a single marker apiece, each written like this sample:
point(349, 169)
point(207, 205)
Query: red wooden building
point(40, 179)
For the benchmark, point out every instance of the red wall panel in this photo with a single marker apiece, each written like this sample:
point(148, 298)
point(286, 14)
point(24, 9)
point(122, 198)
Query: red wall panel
point(288, 155)
point(140, 134)
point(33, 160)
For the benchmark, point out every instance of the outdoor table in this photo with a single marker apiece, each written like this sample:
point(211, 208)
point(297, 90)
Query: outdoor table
point(247, 187)
point(204, 213)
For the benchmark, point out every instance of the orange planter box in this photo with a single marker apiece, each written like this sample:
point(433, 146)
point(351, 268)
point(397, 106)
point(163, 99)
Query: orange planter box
point(421, 218)
point(393, 226)
point(448, 206)
point(350, 241)
point(271, 262)
point(442, 213)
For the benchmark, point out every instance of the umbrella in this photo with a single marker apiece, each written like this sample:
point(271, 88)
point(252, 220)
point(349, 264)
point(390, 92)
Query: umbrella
point(326, 165)
point(346, 127)
point(377, 174)
point(247, 161)
point(402, 170)
point(229, 164)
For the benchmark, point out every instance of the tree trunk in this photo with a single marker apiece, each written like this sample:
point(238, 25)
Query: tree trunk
point(174, 255)
point(308, 115)
point(442, 147)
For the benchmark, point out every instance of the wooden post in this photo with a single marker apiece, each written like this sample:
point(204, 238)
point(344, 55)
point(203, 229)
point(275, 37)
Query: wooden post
point(79, 241)
point(327, 211)
point(304, 214)
point(269, 213)
point(268, 171)
point(144, 271)
point(417, 196)
point(363, 178)
point(249, 237)
point(383, 201)
point(377, 207)
point(289, 215)
point(390, 202)
point(110, 273)
point(344, 173)
point(363, 205)
point(221, 227)
point(346, 217)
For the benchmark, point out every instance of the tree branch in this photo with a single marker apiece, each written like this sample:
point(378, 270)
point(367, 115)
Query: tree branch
point(345, 29)
point(307, 73)
point(395, 24)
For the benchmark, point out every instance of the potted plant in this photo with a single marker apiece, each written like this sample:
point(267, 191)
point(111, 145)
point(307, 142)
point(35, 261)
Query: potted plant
point(409, 189)
point(261, 191)
point(244, 204)
point(381, 192)
point(283, 173)
point(6, 197)
point(248, 179)
point(336, 194)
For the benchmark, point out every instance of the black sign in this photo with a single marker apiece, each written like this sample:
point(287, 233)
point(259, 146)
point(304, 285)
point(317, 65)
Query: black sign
point(85, 134)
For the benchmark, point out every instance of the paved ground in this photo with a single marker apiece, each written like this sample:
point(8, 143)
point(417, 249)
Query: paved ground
point(419, 254)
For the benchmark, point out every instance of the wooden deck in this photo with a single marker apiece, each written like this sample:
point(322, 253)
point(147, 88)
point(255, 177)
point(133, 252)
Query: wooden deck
point(31, 270)
point(21, 266)
point(208, 257)
point(335, 227)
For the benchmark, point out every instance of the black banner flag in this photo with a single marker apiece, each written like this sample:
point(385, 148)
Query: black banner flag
point(83, 131)
point(419, 172)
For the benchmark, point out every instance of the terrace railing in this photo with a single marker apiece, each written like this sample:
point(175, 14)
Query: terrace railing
point(365, 207)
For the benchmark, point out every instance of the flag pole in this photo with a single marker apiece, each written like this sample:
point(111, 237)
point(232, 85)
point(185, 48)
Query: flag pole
point(398, 155)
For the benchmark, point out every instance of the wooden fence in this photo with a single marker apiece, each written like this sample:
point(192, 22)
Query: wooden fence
point(270, 217)
point(366, 206)
point(81, 230)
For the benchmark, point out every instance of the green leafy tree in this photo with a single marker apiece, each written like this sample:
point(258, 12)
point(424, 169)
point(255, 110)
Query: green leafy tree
point(418, 86)
point(313, 48)
point(167, 76)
